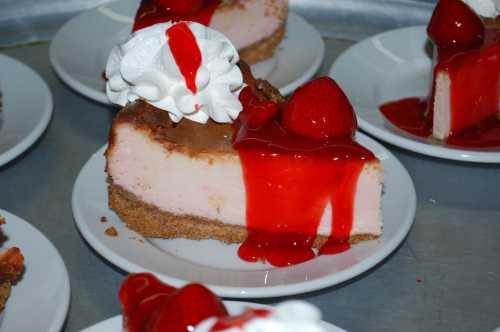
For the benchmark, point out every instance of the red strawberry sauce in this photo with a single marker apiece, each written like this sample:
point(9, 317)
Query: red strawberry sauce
point(470, 54)
point(289, 181)
point(186, 52)
point(150, 13)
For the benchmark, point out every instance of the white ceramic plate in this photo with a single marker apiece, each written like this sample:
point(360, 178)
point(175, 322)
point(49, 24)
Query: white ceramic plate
point(27, 108)
point(40, 300)
point(216, 264)
point(80, 49)
point(115, 324)
point(390, 66)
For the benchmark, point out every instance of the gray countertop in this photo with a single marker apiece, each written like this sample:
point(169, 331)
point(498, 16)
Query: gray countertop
point(445, 276)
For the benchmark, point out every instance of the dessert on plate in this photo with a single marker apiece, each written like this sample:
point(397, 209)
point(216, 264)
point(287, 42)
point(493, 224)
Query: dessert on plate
point(464, 103)
point(11, 268)
point(150, 305)
point(255, 27)
point(202, 150)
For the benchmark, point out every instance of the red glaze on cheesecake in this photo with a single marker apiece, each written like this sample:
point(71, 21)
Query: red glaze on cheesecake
point(300, 175)
point(464, 104)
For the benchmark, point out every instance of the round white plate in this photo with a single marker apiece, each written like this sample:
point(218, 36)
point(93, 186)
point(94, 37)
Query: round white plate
point(114, 324)
point(27, 108)
point(80, 63)
point(217, 265)
point(40, 300)
point(390, 66)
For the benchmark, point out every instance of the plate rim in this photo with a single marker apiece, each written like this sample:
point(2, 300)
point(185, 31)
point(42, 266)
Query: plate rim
point(27, 141)
point(402, 140)
point(262, 291)
point(62, 310)
point(101, 97)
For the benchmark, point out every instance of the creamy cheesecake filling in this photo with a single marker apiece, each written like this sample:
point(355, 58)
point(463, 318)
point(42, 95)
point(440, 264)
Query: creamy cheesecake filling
point(442, 107)
point(211, 186)
point(250, 21)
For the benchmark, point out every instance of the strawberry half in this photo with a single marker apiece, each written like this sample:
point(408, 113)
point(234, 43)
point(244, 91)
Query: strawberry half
point(187, 308)
point(319, 109)
point(181, 7)
point(256, 112)
point(454, 23)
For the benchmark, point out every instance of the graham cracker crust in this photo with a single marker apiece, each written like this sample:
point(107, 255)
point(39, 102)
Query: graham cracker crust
point(150, 221)
point(263, 49)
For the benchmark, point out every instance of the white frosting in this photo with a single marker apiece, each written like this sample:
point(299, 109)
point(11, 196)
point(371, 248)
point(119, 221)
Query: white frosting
point(144, 68)
point(485, 8)
point(291, 316)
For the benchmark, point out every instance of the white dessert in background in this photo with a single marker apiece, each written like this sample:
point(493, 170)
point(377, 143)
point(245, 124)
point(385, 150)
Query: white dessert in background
point(291, 316)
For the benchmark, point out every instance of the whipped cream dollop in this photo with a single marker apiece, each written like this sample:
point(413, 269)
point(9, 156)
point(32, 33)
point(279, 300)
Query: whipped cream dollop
point(485, 8)
point(291, 316)
point(145, 67)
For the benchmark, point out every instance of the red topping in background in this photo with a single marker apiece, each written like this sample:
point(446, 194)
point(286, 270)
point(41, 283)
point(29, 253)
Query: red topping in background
point(409, 115)
point(152, 12)
point(319, 109)
point(180, 7)
point(470, 54)
point(256, 112)
point(454, 23)
point(238, 321)
point(152, 306)
point(289, 181)
point(186, 52)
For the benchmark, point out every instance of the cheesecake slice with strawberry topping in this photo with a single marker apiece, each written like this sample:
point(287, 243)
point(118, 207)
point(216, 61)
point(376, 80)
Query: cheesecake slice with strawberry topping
point(466, 77)
point(255, 27)
point(284, 178)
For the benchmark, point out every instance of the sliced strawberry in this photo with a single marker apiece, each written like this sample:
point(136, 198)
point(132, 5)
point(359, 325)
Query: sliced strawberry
point(141, 295)
point(319, 109)
point(454, 23)
point(181, 7)
point(256, 112)
point(152, 306)
point(187, 308)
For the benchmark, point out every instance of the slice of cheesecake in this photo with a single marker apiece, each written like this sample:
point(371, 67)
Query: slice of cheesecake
point(255, 27)
point(203, 150)
point(467, 91)
point(186, 180)
point(466, 74)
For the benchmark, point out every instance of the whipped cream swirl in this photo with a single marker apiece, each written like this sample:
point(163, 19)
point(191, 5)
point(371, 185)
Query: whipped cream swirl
point(291, 316)
point(144, 67)
point(485, 8)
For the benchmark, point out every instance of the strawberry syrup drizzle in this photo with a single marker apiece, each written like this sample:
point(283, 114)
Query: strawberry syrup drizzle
point(150, 13)
point(186, 52)
point(289, 181)
point(229, 322)
point(474, 72)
